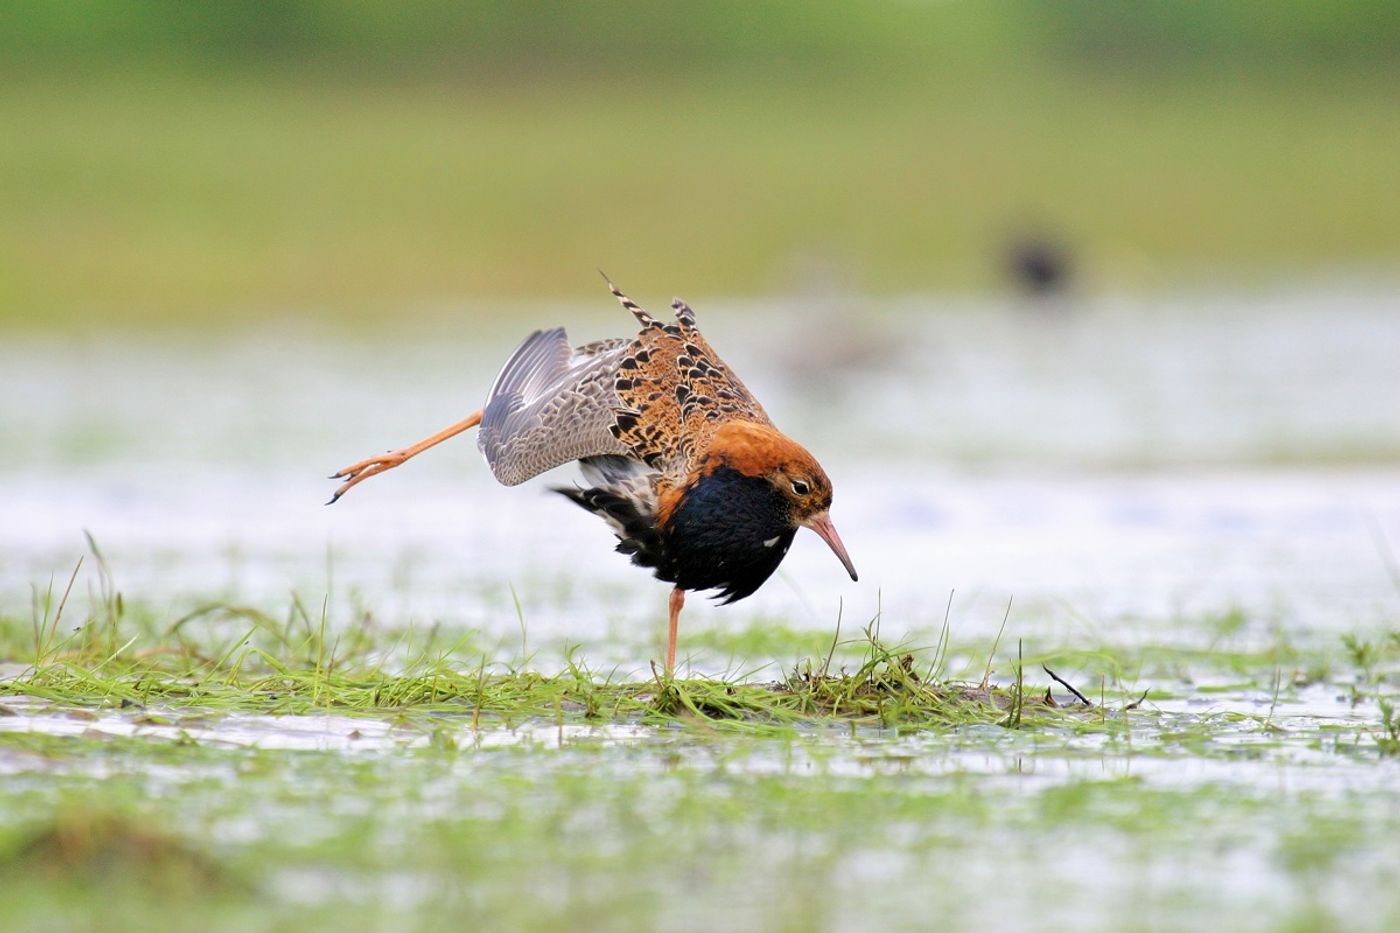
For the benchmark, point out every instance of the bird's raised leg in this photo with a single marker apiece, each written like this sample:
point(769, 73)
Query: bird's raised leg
point(677, 603)
point(356, 472)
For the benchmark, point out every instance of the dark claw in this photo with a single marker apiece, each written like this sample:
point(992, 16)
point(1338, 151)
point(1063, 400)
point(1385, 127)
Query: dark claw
point(334, 499)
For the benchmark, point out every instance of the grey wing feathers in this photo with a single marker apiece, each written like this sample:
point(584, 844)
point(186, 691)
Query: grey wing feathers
point(550, 404)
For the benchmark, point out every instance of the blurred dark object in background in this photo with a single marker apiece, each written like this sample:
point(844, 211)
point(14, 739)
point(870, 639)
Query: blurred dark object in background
point(1038, 264)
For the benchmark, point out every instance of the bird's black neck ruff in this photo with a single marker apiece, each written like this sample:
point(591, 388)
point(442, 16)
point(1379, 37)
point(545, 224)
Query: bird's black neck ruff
point(728, 533)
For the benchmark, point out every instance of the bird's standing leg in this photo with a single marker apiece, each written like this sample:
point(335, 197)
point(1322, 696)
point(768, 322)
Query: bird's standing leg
point(372, 466)
point(677, 603)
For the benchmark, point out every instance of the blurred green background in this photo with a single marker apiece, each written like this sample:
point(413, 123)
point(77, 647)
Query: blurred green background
point(168, 162)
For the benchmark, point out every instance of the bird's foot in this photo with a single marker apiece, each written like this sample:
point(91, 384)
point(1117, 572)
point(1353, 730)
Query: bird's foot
point(372, 466)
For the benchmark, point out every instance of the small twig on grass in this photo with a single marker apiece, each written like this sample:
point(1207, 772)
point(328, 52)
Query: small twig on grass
point(1138, 702)
point(1067, 685)
point(656, 676)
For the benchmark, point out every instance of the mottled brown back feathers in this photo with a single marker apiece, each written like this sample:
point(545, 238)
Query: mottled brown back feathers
point(663, 397)
point(675, 393)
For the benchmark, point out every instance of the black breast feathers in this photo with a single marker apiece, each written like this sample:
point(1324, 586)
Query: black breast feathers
point(729, 532)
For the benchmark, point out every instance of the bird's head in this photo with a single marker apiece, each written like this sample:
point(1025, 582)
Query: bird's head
point(759, 450)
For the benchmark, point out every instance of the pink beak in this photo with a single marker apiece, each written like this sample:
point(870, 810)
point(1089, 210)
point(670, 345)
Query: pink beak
point(821, 524)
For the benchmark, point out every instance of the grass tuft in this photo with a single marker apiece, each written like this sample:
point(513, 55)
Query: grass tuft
point(234, 659)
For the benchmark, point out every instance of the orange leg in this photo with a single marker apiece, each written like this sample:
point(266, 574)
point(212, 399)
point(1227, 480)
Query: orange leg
point(372, 466)
point(677, 603)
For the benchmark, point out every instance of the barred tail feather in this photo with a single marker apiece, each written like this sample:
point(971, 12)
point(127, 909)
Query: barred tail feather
point(638, 312)
point(683, 312)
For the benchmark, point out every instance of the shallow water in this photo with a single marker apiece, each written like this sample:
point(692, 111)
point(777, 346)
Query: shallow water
point(1249, 822)
point(1294, 738)
point(1214, 473)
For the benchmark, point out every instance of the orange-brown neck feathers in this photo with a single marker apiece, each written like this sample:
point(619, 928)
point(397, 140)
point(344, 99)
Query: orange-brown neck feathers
point(758, 450)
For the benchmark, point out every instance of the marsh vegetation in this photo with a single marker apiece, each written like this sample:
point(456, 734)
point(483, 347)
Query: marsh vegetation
point(1125, 650)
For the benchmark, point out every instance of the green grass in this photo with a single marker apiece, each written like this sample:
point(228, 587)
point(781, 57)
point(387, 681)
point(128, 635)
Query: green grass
point(170, 198)
point(226, 659)
point(868, 784)
point(221, 657)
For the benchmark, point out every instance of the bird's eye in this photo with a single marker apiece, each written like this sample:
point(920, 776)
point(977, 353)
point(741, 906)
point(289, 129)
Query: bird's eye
point(800, 487)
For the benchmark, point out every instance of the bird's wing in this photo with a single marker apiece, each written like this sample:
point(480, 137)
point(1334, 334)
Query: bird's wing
point(551, 404)
point(675, 392)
